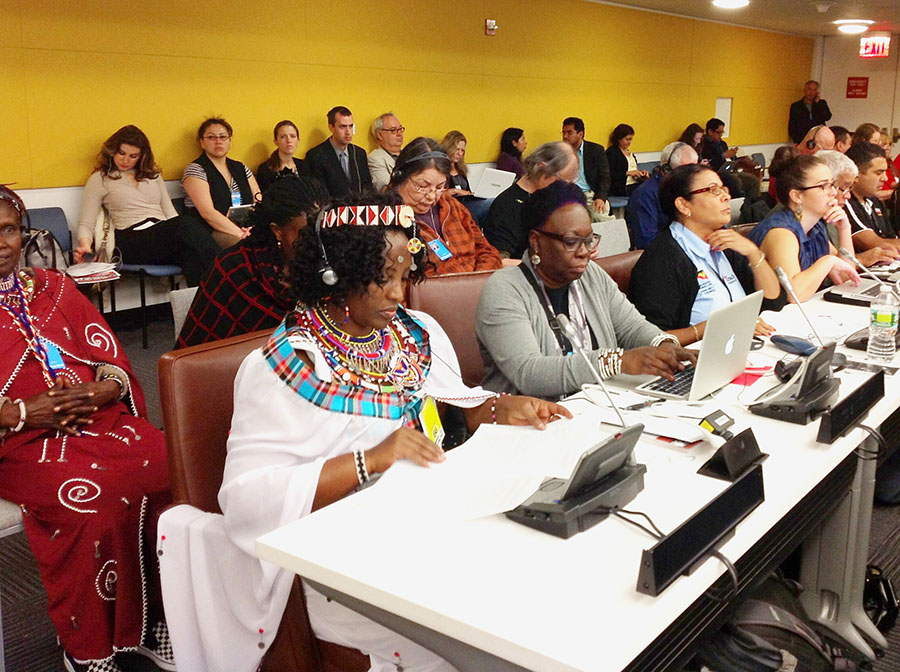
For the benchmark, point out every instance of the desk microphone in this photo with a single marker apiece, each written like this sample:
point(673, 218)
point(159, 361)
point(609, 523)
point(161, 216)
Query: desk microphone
point(865, 271)
point(569, 330)
point(789, 288)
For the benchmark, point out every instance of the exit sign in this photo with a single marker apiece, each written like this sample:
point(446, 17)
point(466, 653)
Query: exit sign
point(878, 46)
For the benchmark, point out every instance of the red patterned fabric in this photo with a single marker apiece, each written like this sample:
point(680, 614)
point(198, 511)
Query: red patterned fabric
point(88, 500)
point(240, 294)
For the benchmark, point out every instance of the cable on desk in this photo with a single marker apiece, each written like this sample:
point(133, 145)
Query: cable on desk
point(659, 533)
point(731, 571)
point(879, 438)
point(617, 512)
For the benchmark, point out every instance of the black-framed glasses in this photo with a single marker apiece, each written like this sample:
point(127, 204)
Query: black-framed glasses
point(572, 243)
point(714, 189)
point(396, 130)
point(824, 186)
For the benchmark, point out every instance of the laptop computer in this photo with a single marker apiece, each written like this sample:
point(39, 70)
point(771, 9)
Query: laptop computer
point(723, 353)
point(493, 182)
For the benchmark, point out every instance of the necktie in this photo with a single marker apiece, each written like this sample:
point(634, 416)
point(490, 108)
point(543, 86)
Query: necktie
point(344, 165)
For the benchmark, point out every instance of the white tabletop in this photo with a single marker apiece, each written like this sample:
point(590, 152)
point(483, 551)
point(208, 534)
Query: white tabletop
point(550, 604)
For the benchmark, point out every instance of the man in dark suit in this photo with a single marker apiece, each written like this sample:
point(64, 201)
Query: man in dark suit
point(807, 112)
point(337, 163)
point(593, 174)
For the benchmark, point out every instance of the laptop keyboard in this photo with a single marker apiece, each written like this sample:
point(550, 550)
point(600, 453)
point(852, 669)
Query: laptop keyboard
point(681, 386)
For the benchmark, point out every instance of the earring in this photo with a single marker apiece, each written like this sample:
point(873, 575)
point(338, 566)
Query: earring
point(535, 258)
point(346, 314)
point(798, 213)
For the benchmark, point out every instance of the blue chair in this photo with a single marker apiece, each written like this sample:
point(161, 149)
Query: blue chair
point(54, 221)
point(649, 166)
point(142, 271)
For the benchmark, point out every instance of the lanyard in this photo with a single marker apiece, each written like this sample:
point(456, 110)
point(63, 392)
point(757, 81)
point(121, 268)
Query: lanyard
point(25, 326)
point(577, 315)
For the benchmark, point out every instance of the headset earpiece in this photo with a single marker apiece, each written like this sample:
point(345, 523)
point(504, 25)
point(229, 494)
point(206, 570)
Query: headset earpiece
point(326, 272)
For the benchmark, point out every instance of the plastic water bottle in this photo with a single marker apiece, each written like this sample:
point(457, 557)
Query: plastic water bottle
point(883, 326)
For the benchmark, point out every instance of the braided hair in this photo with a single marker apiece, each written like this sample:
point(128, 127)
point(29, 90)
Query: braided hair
point(287, 198)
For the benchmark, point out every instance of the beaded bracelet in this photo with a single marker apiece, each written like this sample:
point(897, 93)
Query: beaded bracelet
point(362, 474)
point(610, 362)
point(494, 407)
point(113, 372)
point(662, 337)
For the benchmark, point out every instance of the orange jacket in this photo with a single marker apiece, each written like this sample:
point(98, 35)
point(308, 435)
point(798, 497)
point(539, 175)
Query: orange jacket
point(471, 250)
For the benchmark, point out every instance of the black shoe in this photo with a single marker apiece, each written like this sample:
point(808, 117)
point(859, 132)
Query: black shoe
point(105, 665)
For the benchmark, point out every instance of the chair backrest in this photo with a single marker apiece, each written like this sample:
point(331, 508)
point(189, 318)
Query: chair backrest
point(196, 389)
point(760, 158)
point(614, 237)
point(54, 221)
point(181, 300)
point(452, 300)
point(619, 267)
point(736, 205)
point(649, 166)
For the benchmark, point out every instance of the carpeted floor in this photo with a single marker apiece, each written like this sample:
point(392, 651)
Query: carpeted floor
point(29, 638)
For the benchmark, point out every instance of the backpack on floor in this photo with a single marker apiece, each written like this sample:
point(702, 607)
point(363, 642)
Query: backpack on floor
point(42, 250)
point(770, 632)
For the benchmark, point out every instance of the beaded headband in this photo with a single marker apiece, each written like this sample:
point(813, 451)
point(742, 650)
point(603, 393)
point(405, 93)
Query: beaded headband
point(369, 215)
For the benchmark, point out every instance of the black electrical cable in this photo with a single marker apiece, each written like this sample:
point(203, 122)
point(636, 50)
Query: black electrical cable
point(732, 571)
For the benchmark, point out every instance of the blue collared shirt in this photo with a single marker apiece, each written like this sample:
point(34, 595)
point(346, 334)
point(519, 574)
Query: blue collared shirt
point(582, 180)
point(718, 284)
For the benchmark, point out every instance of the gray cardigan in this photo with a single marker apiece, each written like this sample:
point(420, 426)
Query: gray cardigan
point(520, 352)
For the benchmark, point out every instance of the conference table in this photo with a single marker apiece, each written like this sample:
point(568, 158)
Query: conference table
point(489, 594)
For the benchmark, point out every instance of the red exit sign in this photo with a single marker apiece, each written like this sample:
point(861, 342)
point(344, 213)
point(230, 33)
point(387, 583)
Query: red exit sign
point(875, 47)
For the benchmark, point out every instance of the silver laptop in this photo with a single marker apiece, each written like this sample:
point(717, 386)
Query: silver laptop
point(493, 182)
point(723, 353)
point(861, 295)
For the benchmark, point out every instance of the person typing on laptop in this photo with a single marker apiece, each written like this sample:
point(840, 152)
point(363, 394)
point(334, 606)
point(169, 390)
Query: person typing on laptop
point(795, 237)
point(696, 265)
point(521, 343)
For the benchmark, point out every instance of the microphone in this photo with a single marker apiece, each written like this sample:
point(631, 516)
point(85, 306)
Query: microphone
point(569, 330)
point(865, 271)
point(786, 283)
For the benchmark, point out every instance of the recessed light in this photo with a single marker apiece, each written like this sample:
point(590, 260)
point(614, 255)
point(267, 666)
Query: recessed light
point(853, 26)
point(730, 4)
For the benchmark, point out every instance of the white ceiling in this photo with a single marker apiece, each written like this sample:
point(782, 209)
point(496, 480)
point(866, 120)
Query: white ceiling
point(790, 16)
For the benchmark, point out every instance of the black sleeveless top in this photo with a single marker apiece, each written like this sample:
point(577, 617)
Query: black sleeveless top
point(219, 189)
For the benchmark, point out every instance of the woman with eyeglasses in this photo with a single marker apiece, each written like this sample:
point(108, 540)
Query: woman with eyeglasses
point(524, 349)
point(455, 243)
point(282, 162)
point(695, 265)
point(214, 183)
point(795, 237)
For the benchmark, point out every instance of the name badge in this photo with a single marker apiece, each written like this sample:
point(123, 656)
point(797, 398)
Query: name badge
point(440, 250)
point(54, 358)
point(235, 198)
point(431, 421)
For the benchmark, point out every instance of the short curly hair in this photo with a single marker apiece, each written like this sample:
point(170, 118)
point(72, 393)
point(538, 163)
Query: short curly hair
point(356, 253)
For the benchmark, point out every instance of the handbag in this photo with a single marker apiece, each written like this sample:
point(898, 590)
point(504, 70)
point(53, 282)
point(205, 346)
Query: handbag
point(42, 250)
point(105, 239)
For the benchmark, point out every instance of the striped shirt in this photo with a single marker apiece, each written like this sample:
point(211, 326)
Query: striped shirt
point(196, 170)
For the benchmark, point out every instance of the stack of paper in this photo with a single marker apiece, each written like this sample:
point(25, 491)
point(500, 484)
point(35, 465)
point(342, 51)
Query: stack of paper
point(95, 271)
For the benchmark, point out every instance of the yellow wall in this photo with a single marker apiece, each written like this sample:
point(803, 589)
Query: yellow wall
point(76, 71)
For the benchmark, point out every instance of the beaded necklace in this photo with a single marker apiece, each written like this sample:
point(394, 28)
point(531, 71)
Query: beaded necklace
point(385, 360)
point(13, 292)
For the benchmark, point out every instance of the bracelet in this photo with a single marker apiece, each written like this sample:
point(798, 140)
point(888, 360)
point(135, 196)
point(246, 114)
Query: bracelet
point(362, 474)
point(21, 415)
point(696, 333)
point(494, 407)
point(609, 362)
point(112, 372)
point(762, 258)
point(662, 337)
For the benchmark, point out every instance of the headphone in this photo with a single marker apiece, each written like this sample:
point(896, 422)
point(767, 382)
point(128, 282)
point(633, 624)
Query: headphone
point(811, 143)
point(326, 272)
point(431, 154)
